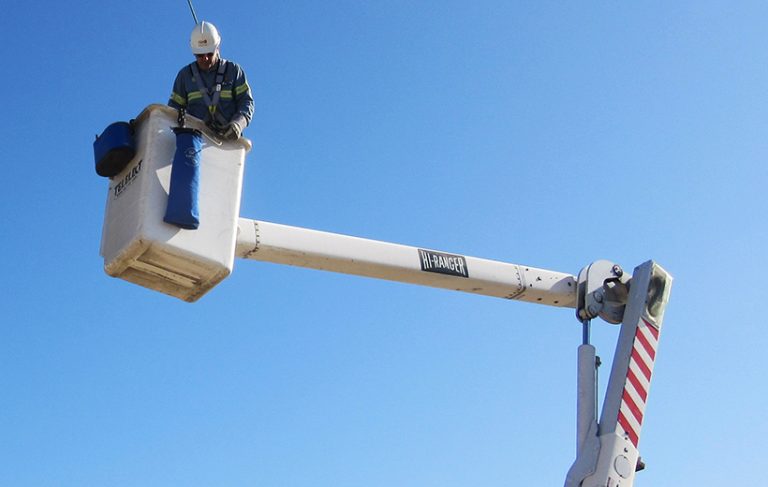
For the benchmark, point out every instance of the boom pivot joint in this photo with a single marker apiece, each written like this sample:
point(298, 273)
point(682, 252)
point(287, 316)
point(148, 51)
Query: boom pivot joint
point(602, 290)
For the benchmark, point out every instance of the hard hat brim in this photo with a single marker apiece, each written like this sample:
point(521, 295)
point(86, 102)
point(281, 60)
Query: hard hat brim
point(204, 50)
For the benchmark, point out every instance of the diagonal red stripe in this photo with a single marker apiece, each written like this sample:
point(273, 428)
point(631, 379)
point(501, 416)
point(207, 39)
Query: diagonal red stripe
point(654, 331)
point(628, 429)
point(638, 359)
point(632, 378)
point(632, 407)
point(640, 336)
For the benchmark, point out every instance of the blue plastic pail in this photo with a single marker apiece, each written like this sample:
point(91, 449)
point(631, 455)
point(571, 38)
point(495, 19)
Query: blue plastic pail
point(114, 149)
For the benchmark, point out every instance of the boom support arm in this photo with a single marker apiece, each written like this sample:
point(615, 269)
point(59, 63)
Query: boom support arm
point(302, 247)
point(608, 453)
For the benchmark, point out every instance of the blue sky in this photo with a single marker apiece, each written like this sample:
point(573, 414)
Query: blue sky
point(543, 133)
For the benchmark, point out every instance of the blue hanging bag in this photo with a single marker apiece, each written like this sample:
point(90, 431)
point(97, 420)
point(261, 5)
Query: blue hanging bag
point(182, 207)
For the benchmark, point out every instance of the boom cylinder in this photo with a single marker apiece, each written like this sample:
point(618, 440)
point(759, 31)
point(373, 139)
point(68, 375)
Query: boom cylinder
point(586, 393)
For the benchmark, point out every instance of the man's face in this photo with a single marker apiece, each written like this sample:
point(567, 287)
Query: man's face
point(206, 61)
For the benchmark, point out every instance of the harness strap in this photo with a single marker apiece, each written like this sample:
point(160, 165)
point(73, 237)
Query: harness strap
point(212, 103)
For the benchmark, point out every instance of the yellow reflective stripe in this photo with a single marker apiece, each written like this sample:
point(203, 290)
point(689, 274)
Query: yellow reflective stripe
point(241, 89)
point(194, 95)
point(178, 99)
point(226, 94)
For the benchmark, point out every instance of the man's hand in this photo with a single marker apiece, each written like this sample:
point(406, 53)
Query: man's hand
point(234, 129)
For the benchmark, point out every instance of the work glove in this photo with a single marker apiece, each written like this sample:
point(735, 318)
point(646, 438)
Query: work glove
point(234, 129)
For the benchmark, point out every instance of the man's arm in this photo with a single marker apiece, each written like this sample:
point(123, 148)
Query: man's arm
point(244, 101)
point(178, 97)
point(243, 96)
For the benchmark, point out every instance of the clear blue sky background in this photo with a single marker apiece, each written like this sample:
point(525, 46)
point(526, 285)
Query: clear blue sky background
point(543, 133)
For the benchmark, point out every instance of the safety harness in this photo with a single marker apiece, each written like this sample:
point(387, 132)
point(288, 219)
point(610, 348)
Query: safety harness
point(211, 95)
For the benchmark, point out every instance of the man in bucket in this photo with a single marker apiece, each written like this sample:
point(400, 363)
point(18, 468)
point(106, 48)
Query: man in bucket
point(213, 89)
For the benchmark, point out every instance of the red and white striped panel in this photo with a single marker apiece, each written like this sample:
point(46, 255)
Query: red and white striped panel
point(638, 379)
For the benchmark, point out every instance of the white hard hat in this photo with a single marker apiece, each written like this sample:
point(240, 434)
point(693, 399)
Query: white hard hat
point(205, 38)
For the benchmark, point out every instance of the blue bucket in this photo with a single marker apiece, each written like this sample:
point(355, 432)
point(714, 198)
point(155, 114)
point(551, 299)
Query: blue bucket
point(114, 149)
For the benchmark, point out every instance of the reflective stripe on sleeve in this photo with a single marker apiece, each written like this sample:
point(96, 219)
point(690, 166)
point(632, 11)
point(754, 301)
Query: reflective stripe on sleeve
point(178, 99)
point(241, 89)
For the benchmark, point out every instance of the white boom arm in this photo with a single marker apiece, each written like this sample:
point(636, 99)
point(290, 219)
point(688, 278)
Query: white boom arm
point(607, 454)
point(302, 247)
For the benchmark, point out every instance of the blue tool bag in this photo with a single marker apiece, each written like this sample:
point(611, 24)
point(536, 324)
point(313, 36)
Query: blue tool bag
point(182, 207)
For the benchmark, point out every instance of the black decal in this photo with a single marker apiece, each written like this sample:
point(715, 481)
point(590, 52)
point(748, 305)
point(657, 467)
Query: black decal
point(127, 179)
point(452, 265)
